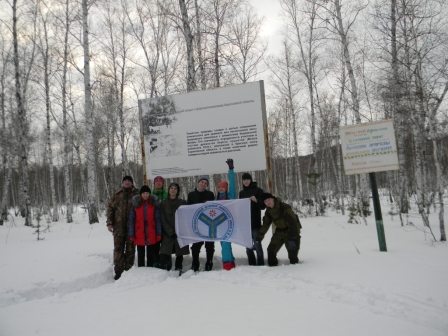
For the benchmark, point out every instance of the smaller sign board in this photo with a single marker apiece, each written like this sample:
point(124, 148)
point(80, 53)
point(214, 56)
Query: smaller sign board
point(369, 147)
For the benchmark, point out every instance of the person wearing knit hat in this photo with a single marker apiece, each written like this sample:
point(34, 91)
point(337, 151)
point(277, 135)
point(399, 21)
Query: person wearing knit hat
point(145, 188)
point(145, 227)
point(287, 229)
point(266, 196)
point(246, 176)
point(170, 244)
point(204, 178)
point(128, 178)
point(226, 191)
point(201, 195)
point(252, 191)
point(159, 188)
point(118, 212)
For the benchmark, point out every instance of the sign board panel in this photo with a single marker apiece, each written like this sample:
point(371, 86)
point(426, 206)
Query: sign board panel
point(196, 132)
point(369, 147)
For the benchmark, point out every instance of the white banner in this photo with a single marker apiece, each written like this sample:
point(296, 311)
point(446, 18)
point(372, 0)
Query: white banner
point(215, 221)
point(369, 147)
point(194, 133)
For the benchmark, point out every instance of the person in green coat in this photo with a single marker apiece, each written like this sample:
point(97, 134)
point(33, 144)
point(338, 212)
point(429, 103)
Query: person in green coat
point(287, 229)
point(159, 188)
point(169, 243)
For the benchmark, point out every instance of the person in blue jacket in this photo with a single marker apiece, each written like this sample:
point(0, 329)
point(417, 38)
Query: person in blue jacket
point(226, 191)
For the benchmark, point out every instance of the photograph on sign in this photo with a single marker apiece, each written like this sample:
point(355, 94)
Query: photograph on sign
point(194, 133)
point(369, 147)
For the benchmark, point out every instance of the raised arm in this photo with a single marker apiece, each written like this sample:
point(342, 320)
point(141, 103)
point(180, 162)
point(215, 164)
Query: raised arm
point(231, 177)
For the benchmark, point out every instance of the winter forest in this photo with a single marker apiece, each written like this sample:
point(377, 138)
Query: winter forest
point(72, 72)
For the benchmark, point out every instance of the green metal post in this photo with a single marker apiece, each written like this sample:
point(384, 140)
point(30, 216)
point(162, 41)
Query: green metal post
point(378, 215)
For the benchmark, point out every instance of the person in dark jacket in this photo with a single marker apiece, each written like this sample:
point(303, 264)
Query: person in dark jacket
point(170, 245)
point(145, 227)
point(287, 229)
point(252, 191)
point(201, 195)
point(118, 210)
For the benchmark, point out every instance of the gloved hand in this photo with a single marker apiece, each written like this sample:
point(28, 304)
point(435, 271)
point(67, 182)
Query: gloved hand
point(174, 236)
point(230, 163)
point(292, 245)
point(259, 238)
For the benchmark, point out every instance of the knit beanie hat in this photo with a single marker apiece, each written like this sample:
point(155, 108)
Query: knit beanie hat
point(145, 188)
point(247, 176)
point(204, 177)
point(129, 178)
point(159, 178)
point(224, 184)
point(266, 196)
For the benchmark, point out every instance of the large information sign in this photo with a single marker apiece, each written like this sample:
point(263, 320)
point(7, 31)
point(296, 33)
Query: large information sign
point(369, 147)
point(194, 133)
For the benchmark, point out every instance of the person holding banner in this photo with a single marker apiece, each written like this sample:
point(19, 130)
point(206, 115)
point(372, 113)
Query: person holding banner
point(287, 229)
point(226, 191)
point(252, 191)
point(201, 195)
point(169, 244)
point(145, 227)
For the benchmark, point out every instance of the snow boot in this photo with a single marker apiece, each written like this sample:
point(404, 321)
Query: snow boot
point(208, 265)
point(228, 265)
point(195, 265)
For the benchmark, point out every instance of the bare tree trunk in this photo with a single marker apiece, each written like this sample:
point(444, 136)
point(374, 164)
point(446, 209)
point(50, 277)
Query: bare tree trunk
point(188, 35)
point(22, 137)
point(364, 194)
point(398, 115)
point(46, 57)
point(4, 138)
point(6, 183)
point(65, 131)
point(91, 176)
point(440, 180)
point(419, 140)
point(199, 47)
point(308, 58)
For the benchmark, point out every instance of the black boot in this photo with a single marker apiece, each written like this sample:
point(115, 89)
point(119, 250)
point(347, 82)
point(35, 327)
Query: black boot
point(195, 265)
point(210, 251)
point(209, 265)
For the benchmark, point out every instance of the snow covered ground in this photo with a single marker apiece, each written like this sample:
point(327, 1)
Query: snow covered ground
point(63, 285)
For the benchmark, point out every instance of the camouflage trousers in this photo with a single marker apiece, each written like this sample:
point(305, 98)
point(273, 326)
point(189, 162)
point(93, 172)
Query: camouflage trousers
point(124, 254)
point(277, 241)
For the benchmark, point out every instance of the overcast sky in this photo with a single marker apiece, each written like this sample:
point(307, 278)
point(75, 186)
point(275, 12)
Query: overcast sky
point(270, 9)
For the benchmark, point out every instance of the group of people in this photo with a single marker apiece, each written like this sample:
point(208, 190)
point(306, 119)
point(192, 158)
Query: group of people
point(145, 219)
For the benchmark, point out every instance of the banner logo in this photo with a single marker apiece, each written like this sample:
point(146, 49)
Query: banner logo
point(213, 221)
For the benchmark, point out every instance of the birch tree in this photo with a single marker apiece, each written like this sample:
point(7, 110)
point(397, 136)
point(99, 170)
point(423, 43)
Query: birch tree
point(91, 174)
point(21, 114)
point(335, 23)
point(188, 36)
point(5, 136)
point(47, 56)
point(116, 46)
point(249, 48)
point(301, 30)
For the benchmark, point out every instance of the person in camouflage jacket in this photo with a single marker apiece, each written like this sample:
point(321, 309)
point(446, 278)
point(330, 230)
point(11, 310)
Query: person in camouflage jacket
point(287, 229)
point(118, 211)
